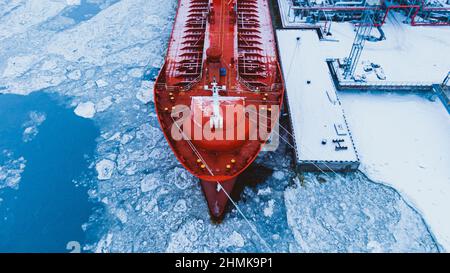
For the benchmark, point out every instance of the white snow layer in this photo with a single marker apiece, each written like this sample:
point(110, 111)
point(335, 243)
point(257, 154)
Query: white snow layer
point(313, 106)
point(409, 54)
point(405, 142)
point(351, 210)
point(73, 2)
point(105, 169)
point(85, 109)
point(25, 14)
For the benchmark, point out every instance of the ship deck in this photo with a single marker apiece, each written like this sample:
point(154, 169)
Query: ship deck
point(230, 44)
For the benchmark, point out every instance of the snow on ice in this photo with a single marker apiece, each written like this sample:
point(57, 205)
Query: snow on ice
point(101, 83)
point(268, 211)
point(235, 239)
point(149, 183)
point(73, 2)
point(85, 109)
point(32, 125)
point(19, 17)
point(104, 104)
point(355, 215)
point(145, 93)
point(404, 142)
point(105, 169)
point(150, 202)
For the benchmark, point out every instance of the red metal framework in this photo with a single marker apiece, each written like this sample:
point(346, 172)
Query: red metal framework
point(418, 12)
point(189, 65)
point(430, 16)
point(251, 63)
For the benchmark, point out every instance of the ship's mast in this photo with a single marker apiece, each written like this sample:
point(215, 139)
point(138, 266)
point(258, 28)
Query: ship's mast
point(216, 121)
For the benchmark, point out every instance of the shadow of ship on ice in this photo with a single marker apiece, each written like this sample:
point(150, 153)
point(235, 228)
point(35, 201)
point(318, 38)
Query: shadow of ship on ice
point(255, 174)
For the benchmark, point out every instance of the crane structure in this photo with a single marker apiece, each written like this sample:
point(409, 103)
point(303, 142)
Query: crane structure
point(362, 32)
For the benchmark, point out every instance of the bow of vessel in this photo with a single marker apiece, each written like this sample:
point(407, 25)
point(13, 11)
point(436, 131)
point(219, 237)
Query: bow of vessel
point(219, 93)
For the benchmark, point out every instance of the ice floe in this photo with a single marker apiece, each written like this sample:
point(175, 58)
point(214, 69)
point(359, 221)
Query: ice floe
point(101, 83)
point(235, 239)
point(74, 75)
point(353, 215)
point(180, 206)
point(404, 142)
point(149, 183)
point(32, 125)
point(122, 215)
point(145, 93)
point(268, 211)
point(73, 2)
point(27, 14)
point(104, 104)
point(85, 109)
point(11, 170)
point(105, 169)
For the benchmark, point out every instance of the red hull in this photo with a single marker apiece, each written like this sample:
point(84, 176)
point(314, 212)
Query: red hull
point(221, 56)
point(217, 199)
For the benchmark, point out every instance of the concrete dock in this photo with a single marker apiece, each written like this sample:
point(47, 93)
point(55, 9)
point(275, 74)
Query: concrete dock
point(322, 137)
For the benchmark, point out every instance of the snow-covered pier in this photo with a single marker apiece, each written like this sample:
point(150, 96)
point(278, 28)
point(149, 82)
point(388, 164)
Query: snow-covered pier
point(442, 91)
point(323, 140)
point(401, 135)
point(343, 84)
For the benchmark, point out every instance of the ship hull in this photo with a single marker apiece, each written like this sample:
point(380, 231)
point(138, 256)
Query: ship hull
point(221, 56)
point(217, 195)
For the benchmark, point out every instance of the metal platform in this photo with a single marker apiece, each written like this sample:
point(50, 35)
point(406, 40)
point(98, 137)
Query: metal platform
point(305, 13)
point(323, 140)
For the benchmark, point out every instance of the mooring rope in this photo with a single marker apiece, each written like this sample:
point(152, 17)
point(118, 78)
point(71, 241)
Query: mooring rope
point(252, 227)
point(304, 147)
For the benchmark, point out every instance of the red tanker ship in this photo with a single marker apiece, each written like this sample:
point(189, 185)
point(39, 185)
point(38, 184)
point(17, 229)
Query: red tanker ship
point(221, 56)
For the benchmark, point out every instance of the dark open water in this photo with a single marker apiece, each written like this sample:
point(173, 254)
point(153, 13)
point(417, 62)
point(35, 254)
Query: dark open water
point(48, 209)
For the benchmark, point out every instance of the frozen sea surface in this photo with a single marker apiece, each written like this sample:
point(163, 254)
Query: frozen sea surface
point(149, 203)
point(404, 142)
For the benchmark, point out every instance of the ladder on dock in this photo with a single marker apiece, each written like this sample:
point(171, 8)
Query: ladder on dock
point(446, 81)
point(363, 31)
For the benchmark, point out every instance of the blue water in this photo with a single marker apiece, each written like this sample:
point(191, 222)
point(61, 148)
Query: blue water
point(85, 10)
point(47, 210)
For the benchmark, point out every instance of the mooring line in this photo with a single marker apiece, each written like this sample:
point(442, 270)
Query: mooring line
point(252, 227)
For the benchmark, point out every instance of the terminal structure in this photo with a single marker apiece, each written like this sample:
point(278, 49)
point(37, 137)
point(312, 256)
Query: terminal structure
point(322, 48)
